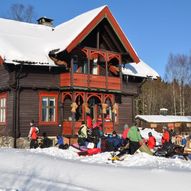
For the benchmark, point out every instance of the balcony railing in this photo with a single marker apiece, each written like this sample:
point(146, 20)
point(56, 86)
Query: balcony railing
point(90, 81)
point(71, 128)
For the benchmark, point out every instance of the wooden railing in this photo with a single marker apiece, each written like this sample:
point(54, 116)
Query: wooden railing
point(90, 81)
point(67, 127)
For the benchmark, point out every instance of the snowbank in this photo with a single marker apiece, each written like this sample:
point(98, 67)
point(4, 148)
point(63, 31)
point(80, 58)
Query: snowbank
point(55, 169)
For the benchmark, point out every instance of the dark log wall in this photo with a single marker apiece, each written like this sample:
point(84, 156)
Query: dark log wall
point(4, 76)
point(125, 112)
point(29, 109)
point(130, 87)
point(40, 77)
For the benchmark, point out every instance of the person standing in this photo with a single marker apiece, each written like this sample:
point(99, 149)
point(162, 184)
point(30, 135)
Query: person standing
point(124, 134)
point(165, 136)
point(151, 143)
point(89, 121)
point(33, 135)
point(135, 139)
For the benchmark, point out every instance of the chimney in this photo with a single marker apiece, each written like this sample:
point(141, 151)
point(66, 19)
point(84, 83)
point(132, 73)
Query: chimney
point(45, 21)
point(163, 111)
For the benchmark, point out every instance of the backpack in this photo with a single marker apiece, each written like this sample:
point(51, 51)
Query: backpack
point(80, 129)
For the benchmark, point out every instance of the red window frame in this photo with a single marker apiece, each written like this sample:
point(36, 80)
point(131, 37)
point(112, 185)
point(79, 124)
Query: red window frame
point(4, 96)
point(49, 95)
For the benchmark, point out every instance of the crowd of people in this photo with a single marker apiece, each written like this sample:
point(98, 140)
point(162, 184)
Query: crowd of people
point(91, 136)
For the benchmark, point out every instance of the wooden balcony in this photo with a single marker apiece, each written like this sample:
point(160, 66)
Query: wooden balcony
point(90, 81)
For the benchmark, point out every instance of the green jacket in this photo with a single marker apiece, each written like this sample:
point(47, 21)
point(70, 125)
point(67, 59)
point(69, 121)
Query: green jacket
point(134, 134)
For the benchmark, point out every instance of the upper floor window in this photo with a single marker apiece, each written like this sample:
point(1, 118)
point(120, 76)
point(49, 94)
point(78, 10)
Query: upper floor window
point(48, 108)
point(80, 64)
point(3, 100)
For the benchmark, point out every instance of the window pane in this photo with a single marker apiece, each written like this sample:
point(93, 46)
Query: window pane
point(52, 114)
point(4, 102)
point(52, 102)
point(44, 114)
point(1, 102)
point(3, 115)
point(2, 110)
point(44, 102)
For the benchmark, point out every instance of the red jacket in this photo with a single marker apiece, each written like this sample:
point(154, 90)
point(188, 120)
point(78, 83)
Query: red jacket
point(125, 132)
point(165, 137)
point(33, 133)
point(89, 121)
point(151, 143)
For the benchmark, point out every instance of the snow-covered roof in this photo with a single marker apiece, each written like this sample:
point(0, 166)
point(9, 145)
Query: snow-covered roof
point(31, 43)
point(26, 42)
point(66, 32)
point(164, 118)
point(140, 70)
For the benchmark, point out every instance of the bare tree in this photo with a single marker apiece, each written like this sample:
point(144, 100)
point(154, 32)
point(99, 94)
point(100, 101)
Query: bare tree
point(178, 71)
point(21, 12)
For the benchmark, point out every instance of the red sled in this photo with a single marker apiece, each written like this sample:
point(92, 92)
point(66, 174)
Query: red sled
point(89, 152)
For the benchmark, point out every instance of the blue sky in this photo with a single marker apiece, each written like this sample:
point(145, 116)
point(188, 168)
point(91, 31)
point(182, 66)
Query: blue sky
point(155, 28)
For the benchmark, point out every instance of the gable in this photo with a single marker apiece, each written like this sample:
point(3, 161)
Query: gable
point(105, 14)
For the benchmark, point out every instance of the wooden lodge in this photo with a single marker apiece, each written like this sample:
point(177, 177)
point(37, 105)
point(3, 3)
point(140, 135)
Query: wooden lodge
point(57, 75)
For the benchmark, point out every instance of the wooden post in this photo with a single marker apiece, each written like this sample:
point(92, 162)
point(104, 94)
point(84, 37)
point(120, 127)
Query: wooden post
point(88, 68)
point(106, 69)
point(72, 72)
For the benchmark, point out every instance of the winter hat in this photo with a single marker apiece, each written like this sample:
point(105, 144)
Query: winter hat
point(125, 126)
point(164, 127)
point(150, 134)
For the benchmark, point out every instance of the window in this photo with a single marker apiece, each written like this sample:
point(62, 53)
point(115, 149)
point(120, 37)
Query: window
point(3, 99)
point(48, 108)
point(80, 64)
point(94, 67)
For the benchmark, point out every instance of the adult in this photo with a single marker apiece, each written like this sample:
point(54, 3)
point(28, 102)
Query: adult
point(114, 142)
point(33, 135)
point(165, 136)
point(45, 142)
point(125, 132)
point(82, 134)
point(151, 142)
point(135, 139)
point(89, 121)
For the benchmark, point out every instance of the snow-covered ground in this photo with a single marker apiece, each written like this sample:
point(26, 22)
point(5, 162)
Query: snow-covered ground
point(54, 169)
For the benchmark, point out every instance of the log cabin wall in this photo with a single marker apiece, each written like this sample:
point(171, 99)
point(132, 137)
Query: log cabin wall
point(29, 109)
point(4, 76)
point(125, 112)
point(40, 77)
point(130, 88)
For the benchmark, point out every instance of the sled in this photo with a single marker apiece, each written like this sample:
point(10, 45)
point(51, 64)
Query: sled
point(89, 152)
point(78, 147)
point(145, 149)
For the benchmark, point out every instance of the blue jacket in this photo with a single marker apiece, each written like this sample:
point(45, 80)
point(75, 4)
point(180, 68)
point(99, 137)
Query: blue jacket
point(60, 140)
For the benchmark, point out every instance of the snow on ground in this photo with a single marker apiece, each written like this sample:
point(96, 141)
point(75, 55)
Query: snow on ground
point(55, 169)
